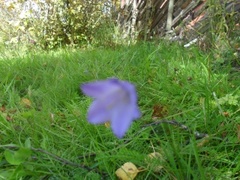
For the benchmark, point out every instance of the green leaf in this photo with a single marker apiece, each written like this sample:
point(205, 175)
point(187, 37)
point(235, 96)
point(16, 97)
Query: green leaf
point(6, 173)
point(17, 157)
point(28, 114)
point(28, 143)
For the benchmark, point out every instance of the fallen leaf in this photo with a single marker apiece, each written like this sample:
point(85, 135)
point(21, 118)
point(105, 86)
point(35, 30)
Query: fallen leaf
point(226, 114)
point(159, 111)
point(107, 124)
point(3, 108)
point(9, 118)
point(155, 155)
point(26, 102)
point(150, 81)
point(204, 141)
point(127, 172)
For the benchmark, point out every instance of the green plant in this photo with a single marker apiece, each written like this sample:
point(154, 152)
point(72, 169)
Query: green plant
point(51, 24)
point(43, 114)
point(224, 31)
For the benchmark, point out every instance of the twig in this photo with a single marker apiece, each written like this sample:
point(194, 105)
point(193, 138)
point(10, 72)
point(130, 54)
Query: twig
point(64, 161)
point(197, 134)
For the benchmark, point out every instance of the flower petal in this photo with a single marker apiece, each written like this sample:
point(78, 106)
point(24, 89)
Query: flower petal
point(98, 88)
point(98, 113)
point(136, 112)
point(131, 90)
point(121, 119)
point(132, 98)
point(115, 101)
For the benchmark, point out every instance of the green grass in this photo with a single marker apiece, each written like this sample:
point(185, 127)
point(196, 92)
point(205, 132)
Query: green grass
point(44, 133)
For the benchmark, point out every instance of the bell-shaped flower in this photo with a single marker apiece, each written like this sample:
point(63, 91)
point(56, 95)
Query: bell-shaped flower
point(115, 101)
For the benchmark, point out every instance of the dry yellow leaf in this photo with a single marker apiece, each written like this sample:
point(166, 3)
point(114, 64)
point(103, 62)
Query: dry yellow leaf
point(127, 172)
point(26, 102)
point(203, 141)
point(155, 155)
point(107, 124)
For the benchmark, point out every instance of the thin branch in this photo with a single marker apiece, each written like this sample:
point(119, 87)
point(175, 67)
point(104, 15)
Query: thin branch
point(66, 162)
point(63, 161)
point(57, 158)
point(197, 134)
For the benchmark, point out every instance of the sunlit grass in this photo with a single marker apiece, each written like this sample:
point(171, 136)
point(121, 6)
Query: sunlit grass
point(42, 108)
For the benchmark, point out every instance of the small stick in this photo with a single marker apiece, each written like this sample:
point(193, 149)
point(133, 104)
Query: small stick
point(197, 134)
point(63, 161)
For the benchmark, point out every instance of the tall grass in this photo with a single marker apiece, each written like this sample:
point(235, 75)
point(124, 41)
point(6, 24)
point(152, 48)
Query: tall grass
point(43, 122)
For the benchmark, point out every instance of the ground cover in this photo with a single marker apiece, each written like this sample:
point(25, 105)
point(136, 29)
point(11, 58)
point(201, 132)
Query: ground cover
point(189, 103)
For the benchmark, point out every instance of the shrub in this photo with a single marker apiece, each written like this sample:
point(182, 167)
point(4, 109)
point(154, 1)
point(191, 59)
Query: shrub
point(51, 24)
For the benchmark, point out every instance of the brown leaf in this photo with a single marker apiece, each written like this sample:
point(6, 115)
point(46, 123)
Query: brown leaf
point(159, 111)
point(9, 118)
point(226, 114)
point(3, 108)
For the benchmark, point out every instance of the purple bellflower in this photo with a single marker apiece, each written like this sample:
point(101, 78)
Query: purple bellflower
point(114, 101)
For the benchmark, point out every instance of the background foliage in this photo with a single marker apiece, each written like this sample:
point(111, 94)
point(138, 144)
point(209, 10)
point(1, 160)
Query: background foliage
point(59, 23)
point(51, 24)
